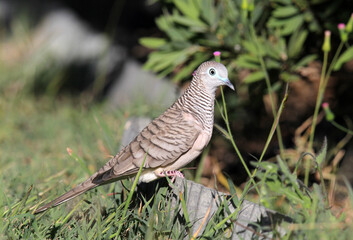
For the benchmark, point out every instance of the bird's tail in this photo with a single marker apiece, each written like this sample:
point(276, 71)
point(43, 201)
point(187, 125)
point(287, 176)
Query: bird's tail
point(80, 189)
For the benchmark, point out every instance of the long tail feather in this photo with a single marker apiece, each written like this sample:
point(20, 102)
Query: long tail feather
point(80, 189)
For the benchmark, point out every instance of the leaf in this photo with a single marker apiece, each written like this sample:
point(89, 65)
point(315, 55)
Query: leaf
point(197, 3)
point(268, 166)
point(272, 50)
point(187, 8)
point(230, 8)
point(232, 191)
point(167, 24)
point(179, 45)
point(175, 35)
point(254, 77)
point(287, 77)
point(189, 67)
point(345, 57)
point(296, 43)
point(209, 42)
point(320, 158)
point(292, 178)
point(169, 69)
point(274, 186)
point(162, 23)
point(292, 24)
point(195, 24)
point(272, 64)
point(284, 2)
point(305, 61)
point(185, 33)
point(258, 12)
point(287, 26)
point(158, 61)
point(291, 195)
point(247, 61)
point(152, 42)
point(251, 48)
point(274, 22)
point(277, 86)
point(208, 12)
point(286, 11)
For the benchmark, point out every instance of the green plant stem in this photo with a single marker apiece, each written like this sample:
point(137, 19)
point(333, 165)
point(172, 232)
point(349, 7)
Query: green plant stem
point(273, 128)
point(333, 63)
point(322, 87)
point(274, 125)
point(127, 203)
point(185, 211)
point(322, 181)
point(233, 143)
point(220, 224)
point(60, 222)
point(342, 128)
point(318, 101)
point(316, 112)
point(270, 90)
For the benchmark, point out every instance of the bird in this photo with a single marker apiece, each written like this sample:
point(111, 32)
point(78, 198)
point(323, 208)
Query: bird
point(169, 142)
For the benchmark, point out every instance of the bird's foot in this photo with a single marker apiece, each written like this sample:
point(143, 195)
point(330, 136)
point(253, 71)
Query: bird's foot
point(171, 173)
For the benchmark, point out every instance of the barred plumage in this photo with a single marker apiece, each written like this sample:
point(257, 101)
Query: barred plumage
point(170, 141)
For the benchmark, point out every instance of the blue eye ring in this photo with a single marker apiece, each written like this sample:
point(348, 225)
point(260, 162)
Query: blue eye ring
point(212, 72)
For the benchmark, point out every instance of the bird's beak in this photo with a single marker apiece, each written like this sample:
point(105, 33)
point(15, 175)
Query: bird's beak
point(228, 83)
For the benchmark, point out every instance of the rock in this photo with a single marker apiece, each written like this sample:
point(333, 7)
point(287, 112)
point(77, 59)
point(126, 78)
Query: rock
point(135, 84)
point(62, 43)
point(6, 11)
point(252, 221)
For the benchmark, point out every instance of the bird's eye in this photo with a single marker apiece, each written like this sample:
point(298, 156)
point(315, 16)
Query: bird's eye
point(212, 71)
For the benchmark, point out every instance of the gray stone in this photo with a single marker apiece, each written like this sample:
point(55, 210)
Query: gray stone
point(6, 10)
point(63, 43)
point(252, 221)
point(137, 85)
point(64, 38)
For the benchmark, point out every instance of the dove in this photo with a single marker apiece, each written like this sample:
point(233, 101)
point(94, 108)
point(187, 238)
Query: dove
point(169, 142)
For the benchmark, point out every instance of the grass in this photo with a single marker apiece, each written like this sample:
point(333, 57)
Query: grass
point(35, 135)
point(50, 144)
point(35, 167)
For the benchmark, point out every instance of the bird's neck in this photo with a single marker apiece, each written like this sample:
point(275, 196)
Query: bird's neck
point(199, 101)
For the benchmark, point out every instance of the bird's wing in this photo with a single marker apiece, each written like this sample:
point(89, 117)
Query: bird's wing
point(162, 142)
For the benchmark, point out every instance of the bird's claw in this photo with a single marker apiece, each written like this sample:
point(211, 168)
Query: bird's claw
point(171, 173)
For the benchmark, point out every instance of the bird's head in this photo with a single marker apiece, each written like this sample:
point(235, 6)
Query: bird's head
point(212, 75)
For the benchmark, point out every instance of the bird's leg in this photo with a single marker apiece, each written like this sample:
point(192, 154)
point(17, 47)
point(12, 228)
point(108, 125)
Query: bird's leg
point(170, 173)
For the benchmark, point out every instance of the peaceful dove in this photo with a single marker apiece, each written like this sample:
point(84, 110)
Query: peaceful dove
point(169, 142)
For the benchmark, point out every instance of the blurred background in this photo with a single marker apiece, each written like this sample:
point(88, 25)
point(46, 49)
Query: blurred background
point(72, 72)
